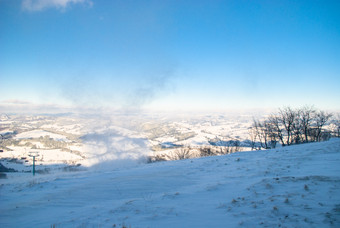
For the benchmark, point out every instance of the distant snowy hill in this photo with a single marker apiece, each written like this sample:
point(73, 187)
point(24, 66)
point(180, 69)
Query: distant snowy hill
point(3, 117)
point(297, 186)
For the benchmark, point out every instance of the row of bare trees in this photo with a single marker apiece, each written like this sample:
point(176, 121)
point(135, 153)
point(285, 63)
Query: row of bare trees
point(290, 126)
point(196, 152)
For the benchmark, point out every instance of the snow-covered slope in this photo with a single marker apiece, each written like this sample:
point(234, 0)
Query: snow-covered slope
point(297, 186)
point(40, 133)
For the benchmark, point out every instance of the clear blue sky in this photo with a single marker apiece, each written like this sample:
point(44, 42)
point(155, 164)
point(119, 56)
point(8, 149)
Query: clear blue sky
point(169, 54)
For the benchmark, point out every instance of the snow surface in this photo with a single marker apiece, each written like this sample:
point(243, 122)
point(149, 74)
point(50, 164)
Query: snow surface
point(40, 133)
point(296, 186)
point(46, 157)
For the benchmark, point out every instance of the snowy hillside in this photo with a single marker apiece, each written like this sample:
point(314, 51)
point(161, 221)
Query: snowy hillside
point(297, 186)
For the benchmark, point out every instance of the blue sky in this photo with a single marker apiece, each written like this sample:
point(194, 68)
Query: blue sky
point(170, 55)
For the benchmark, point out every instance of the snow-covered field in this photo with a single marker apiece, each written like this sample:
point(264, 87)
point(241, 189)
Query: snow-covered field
point(296, 186)
point(40, 133)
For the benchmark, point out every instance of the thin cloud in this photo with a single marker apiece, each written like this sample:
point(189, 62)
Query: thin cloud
point(39, 5)
point(15, 102)
point(13, 106)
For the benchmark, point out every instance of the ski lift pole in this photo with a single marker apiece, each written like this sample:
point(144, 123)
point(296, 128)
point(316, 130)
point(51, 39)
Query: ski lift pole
point(33, 154)
point(33, 165)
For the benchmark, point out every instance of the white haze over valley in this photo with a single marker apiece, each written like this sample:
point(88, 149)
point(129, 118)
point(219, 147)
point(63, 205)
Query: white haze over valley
point(96, 138)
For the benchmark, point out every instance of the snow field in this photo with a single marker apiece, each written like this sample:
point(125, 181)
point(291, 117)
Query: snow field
point(41, 133)
point(46, 158)
point(296, 186)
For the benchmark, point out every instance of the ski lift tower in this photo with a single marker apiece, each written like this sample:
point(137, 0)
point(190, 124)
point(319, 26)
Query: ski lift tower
point(33, 154)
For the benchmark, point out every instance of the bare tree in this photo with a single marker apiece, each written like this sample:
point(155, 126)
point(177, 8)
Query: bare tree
point(306, 117)
point(297, 128)
point(181, 153)
point(287, 117)
point(337, 126)
point(272, 134)
point(253, 136)
point(265, 132)
point(206, 151)
point(321, 118)
point(275, 122)
point(257, 125)
point(237, 145)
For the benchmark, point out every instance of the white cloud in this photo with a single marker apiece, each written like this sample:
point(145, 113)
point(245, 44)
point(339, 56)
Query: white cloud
point(15, 102)
point(38, 5)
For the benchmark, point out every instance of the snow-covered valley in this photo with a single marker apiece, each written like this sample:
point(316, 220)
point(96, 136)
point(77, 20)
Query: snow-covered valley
point(86, 140)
